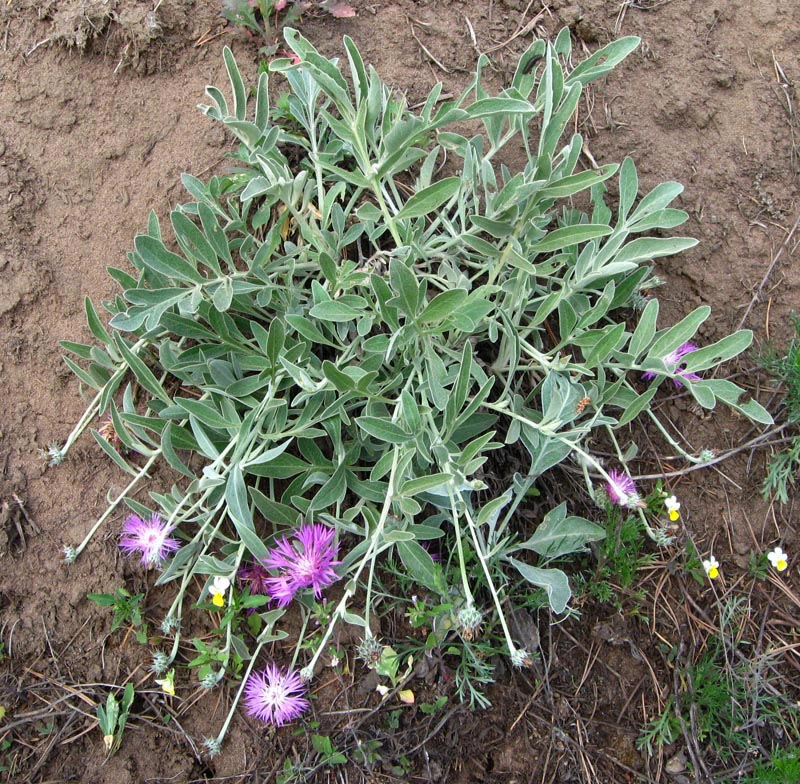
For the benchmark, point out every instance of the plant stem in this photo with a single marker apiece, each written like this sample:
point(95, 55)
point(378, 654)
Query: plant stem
point(115, 503)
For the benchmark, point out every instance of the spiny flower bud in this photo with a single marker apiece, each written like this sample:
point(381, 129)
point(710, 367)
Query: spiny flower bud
point(521, 658)
point(369, 650)
point(469, 622)
point(160, 662)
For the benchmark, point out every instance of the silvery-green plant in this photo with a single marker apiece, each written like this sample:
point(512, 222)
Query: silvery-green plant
point(349, 323)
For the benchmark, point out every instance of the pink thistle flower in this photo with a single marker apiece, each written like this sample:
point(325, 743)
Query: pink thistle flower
point(305, 563)
point(275, 697)
point(150, 537)
point(622, 490)
point(673, 361)
point(280, 4)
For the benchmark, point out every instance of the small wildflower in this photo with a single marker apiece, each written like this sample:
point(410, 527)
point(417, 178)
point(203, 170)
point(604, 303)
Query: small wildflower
point(218, 590)
point(673, 508)
point(70, 554)
point(160, 662)
point(622, 490)
point(778, 559)
point(275, 697)
point(712, 567)
point(167, 683)
point(212, 746)
point(307, 562)
point(148, 537)
point(673, 361)
point(280, 4)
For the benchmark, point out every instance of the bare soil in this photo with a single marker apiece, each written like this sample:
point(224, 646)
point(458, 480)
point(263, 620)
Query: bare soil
point(97, 121)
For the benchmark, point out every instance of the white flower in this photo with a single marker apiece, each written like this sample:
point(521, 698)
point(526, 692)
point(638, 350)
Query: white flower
point(778, 559)
point(673, 508)
point(218, 590)
point(712, 567)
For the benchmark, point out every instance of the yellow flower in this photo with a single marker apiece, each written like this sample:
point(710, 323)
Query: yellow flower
point(673, 508)
point(778, 559)
point(218, 590)
point(167, 683)
point(712, 567)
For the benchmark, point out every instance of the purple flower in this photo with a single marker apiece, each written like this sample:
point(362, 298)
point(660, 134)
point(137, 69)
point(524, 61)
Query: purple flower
point(305, 563)
point(622, 490)
point(673, 361)
point(150, 537)
point(256, 577)
point(275, 697)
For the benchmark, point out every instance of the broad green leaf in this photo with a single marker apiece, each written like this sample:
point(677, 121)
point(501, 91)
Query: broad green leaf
point(554, 582)
point(676, 336)
point(156, 257)
point(567, 186)
point(719, 352)
point(383, 430)
point(442, 305)
point(497, 229)
point(405, 284)
point(95, 325)
point(275, 512)
point(430, 198)
point(604, 60)
point(420, 566)
point(333, 491)
point(114, 454)
point(281, 467)
point(143, 373)
point(570, 235)
point(168, 449)
point(424, 484)
point(206, 413)
point(633, 409)
point(732, 395)
point(238, 508)
point(612, 339)
point(486, 107)
point(237, 84)
point(628, 187)
point(308, 329)
point(645, 330)
point(334, 311)
point(559, 534)
point(656, 200)
point(646, 248)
